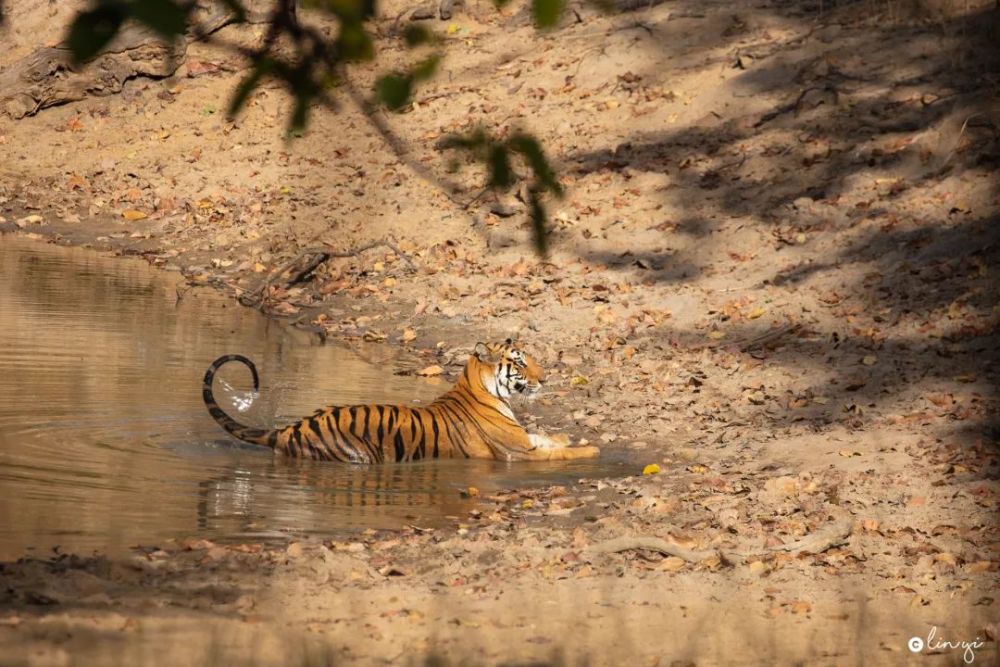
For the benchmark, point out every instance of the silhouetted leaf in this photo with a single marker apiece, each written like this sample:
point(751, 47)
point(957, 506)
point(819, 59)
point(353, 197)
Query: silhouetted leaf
point(425, 69)
point(354, 43)
point(547, 12)
point(393, 90)
point(163, 16)
point(347, 10)
point(415, 35)
point(92, 30)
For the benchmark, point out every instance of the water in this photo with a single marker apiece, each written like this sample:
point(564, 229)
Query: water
point(105, 442)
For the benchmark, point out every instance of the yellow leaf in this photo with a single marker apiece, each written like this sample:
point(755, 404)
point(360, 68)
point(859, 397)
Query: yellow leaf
point(528, 504)
point(453, 28)
point(430, 370)
point(716, 335)
point(672, 564)
point(389, 282)
point(651, 469)
point(258, 267)
point(132, 214)
point(409, 335)
point(698, 469)
point(870, 360)
point(578, 381)
point(755, 313)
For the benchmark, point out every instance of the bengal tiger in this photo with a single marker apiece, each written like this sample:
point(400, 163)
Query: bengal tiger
point(472, 420)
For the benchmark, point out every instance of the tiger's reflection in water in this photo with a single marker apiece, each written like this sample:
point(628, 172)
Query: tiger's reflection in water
point(295, 497)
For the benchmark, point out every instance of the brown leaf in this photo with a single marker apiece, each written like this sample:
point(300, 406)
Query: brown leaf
point(430, 371)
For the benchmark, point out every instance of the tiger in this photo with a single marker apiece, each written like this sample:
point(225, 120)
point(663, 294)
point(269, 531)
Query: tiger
point(472, 420)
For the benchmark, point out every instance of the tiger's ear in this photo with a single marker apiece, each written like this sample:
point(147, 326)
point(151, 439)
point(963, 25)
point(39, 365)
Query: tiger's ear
point(482, 352)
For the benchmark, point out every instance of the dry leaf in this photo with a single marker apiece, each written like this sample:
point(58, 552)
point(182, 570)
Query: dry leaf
point(132, 214)
point(430, 371)
point(651, 469)
point(672, 564)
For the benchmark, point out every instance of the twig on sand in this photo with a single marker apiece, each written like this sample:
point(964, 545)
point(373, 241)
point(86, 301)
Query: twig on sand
point(254, 296)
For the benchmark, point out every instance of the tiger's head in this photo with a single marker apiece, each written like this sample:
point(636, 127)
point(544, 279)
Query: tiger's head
point(507, 370)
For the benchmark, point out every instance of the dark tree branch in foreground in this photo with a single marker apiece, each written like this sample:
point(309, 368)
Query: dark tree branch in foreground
point(115, 40)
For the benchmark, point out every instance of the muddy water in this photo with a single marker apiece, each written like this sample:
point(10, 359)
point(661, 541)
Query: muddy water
point(105, 443)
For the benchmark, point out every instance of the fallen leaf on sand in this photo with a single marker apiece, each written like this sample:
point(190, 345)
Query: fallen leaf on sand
point(672, 564)
point(430, 371)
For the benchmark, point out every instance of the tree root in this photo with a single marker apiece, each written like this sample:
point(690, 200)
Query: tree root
point(650, 543)
point(827, 537)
